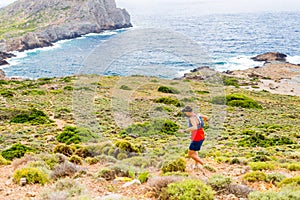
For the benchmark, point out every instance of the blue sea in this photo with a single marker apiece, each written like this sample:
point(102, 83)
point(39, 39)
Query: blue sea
point(227, 40)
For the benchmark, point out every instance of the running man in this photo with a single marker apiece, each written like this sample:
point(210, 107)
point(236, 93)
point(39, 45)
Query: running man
point(197, 133)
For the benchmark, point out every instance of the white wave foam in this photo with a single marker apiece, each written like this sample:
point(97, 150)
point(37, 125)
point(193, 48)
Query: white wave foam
point(237, 63)
point(293, 59)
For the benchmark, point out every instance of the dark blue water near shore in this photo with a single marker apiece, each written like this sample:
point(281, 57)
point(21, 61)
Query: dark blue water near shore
point(229, 40)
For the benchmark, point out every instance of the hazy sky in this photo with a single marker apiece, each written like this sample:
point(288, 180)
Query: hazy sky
point(208, 6)
point(203, 6)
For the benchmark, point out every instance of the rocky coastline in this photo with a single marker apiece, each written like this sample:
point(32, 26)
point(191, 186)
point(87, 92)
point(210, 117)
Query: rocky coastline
point(53, 20)
point(276, 75)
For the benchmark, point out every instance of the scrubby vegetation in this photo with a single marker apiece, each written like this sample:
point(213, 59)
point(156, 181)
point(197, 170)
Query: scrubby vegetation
point(256, 147)
point(32, 175)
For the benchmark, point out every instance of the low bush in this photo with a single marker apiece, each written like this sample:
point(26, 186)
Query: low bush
point(76, 135)
point(254, 138)
point(69, 88)
point(236, 100)
point(178, 164)
point(32, 116)
point(69, 135)
point(106, 159)
point(294, 167)
point(65, 169)
point(255, 176)
point(91, 161)
point(34, 92)
point(287, 193)
point(125, 87)
point(3, 161)
point(259, 166)
point(76, 160)
point(209, 168)
point(159, 184)
point(275, 178)
point(16, 151)
point(128, 146)
point(219, 182)
point(7, 93)
point(64, 149)
point(32, 175)
point(154, 128)
point(82, 152)
point(230, 81)
point(165, 89)
point(110, 173)
point(189, 189)
point(169, 101)
point(64, 189)
point(290, 181)
point(143, 177)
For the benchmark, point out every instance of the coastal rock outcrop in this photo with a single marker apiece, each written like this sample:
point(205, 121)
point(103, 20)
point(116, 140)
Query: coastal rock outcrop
point(28, 24)
point(3, 56)
point(2, 74)
point(270, 56)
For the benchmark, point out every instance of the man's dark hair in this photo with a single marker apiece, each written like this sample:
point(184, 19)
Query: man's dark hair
point(187, 109)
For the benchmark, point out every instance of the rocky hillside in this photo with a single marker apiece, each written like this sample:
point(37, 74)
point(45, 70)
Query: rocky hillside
point(28, 24)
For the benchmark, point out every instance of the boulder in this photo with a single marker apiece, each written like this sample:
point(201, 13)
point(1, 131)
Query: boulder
point(270, 56)
point(2, 74)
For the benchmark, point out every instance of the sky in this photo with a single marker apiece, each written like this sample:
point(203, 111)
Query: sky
point(203, 6)
point(208, 6)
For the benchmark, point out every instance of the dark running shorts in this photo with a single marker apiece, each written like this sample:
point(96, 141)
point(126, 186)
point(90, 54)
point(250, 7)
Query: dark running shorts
point(196, 145)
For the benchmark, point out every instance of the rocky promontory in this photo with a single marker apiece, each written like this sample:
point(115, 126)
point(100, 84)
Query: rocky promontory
point(29, 24)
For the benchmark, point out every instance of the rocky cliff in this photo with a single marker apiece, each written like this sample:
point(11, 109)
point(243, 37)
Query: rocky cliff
point(28, 24)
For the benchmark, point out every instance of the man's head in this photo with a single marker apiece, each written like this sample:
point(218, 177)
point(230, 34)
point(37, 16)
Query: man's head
point(187, 111)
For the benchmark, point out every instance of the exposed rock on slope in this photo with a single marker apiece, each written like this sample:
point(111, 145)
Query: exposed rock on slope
point(28, 24)
point(270, 56)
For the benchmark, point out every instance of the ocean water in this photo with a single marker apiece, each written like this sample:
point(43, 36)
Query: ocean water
point(227, 40)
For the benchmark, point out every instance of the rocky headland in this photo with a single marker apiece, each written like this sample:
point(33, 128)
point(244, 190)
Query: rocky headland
point(29, 24)
point(276, 75)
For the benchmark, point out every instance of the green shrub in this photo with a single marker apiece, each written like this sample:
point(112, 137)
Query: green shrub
point(156, 127)
point(91, 161)
point(259, 166)
point(122, 156)
point(287, 193)
point(237, 100)
point(33, 117)
point(76, 135)
point(34, 92)
point(106, 159)
point(125, 87)
point(178, 173)
point(7, 93)
point(32, 175)
point(166, 89)
point(178, 164)
point(255, 138)
point(255, 176)
point(69, 135)
point(219, 182)
point(190, 189)
point(287, 181)
point(16, 151)
point(3, 161)
point(76, 160)
point(169, 101)
point(128, 146)
point(294, 167)
point(49, 159)
point(64, 149)
point(69, 88)
point(230, 81)
point(138, 161)
point(275, 178)
point(143, 177)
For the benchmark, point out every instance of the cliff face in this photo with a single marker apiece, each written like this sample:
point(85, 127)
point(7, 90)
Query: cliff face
point(28, 24)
